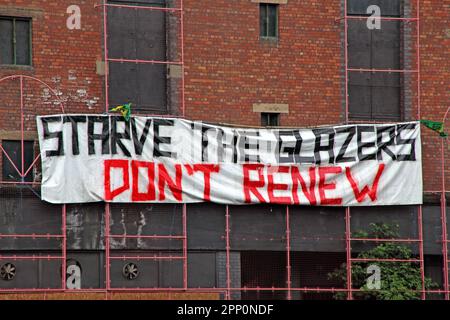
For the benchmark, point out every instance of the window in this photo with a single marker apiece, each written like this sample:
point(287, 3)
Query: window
point(15, 41)
point(268, 16)
point(264, 269)
point(14, 151)
point(138, 35)
point(270, 119)
point(374, 95)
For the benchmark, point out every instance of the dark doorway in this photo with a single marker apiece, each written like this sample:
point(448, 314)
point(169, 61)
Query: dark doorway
point(263, 269)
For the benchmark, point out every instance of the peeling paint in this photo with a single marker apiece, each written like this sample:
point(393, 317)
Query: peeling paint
point(141, 224)
point(82, 93)
point(56, 79)
point(46, 94)
point(114, 243)
point(79, 95)
point(72, 75)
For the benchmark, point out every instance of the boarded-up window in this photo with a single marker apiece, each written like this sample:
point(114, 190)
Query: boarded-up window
point(138, 34)
point(13, 150)
point(374, 95)
point(15, 41)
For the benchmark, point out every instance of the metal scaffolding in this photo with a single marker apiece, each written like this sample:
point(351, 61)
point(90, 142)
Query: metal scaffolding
point(23, 172)
point(108, 60)
point(228, 289)
point(419, 240)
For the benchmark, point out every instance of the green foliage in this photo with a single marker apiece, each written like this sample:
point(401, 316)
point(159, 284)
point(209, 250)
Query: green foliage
point(399, 280)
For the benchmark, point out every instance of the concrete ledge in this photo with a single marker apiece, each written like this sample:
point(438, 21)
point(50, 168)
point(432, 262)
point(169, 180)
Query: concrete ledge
point(175, 71)
point(271, 1)
point(100, 67)
point(22, 12)
point(271, 107)
point(17, 135)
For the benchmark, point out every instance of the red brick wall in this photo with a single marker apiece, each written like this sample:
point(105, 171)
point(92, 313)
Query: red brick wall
point(435, 93)
point(229, 68)
point(65, 59)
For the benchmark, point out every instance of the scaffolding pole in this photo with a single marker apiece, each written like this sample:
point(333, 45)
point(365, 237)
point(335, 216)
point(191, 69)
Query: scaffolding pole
point(349, 238)
point(227, 248)
point(288, 254)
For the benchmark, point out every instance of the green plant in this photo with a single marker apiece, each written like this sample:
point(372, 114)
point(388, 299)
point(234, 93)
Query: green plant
point(399, 280)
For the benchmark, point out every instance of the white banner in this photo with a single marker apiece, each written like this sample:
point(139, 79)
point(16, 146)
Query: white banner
point(89, 158)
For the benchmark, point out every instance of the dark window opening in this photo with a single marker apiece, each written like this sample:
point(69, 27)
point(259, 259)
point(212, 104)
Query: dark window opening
point(15, 41)
point(264, 269)
point(312, 269)
point(270, 119)
point(375, 95)
point(14, 151)
point(268, 16)
point(138, 35)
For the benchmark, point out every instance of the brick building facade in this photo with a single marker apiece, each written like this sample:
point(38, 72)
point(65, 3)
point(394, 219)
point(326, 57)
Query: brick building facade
point(234, 74)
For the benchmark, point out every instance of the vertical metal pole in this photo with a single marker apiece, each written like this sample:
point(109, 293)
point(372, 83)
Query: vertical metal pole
point(422, 262)
point(444, 223)
point(105, 44)
point(347, 209)
point(419, 102)
point(444, 217)
point(227, 248)
point(183, 107)
point(288, 254)
point(346, 60)
point(22, 129)
point(107, 206)
point(185, 251)
point(107, 246)
point(349, 254)
point(64, 245)
point(420, 211)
